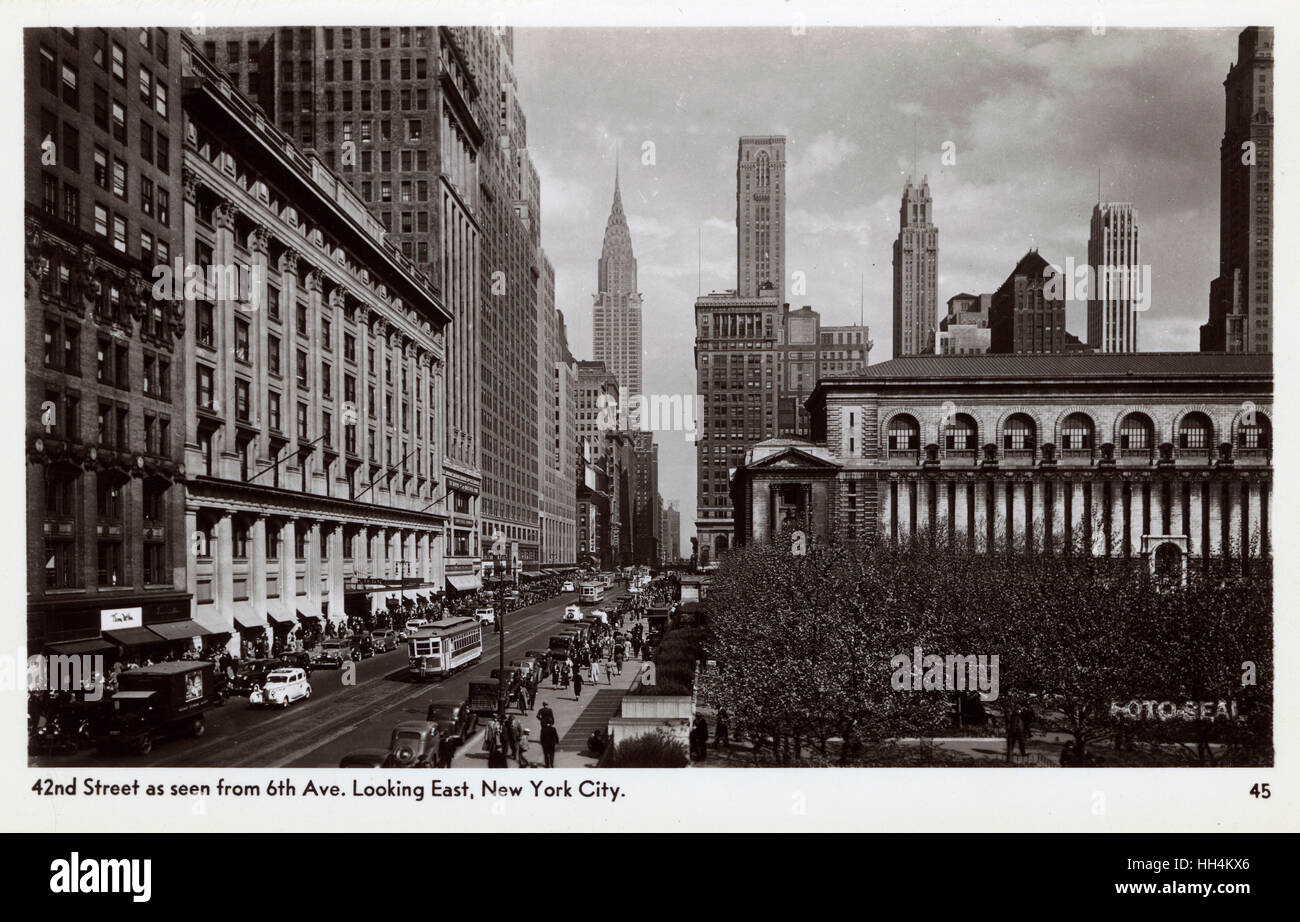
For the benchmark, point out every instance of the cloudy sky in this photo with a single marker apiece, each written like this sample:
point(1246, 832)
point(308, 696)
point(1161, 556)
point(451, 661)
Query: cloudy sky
point(1031, 115)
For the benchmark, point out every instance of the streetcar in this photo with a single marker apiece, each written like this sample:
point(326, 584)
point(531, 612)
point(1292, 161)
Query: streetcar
point(590, 593)
point(440, 648)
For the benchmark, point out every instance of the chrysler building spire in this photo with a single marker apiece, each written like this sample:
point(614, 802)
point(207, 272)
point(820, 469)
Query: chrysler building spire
point(617, 309)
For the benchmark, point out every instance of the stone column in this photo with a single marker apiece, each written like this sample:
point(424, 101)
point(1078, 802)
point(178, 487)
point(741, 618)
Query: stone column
point(1042, 502)
point(1095, 518)
point(1058, 489)
point(889, 509)
point(1078, 515)
point(905, 487)
point(1117, 519)
point(1236, 503)
point(223, 580)
point(999, 515)
point(921, 526)
point(1135, 517)
point(1216, 517)
point(257, 564)
point(981, 487)
point(1195, 518)
point(335, 539)
point(761, 510)
point(1255, 538)
point(1157, 505)
point(1018, 535)
point(1176, 524)
point(943, 534)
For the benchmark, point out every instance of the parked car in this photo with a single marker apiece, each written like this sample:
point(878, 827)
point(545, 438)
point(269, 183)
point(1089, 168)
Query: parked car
point(299, 658)
point(487, 614)
point(384, 640)
point(455, 720)
point(157, 701)
point(362, 647)
point(332, 654)
point(568, 586)
point(530, 667)
point(414, 744)
point(282, 688)
point(250, 674)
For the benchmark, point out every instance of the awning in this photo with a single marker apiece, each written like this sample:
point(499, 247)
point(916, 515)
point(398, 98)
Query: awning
point(133, 636)
point(246, 618)
point(214, 621)
point(464, 582)
point(179, 630)
point(276, 611)
point(308, 608)
point(89, 645)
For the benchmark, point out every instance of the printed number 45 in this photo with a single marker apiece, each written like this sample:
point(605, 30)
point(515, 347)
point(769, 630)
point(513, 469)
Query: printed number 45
point(1261, 791)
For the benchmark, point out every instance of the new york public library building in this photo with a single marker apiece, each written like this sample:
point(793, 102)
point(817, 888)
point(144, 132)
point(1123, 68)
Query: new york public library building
point(1165, 456)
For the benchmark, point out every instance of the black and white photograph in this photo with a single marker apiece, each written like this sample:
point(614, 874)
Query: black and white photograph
point(551, 390)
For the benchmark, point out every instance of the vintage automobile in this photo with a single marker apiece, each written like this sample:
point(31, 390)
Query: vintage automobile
point(362, 647)
point(572, 613)
point(568, 586)
point(530, 667)
point(296, 658)
point(282, 688)
point(155, 701)
point(384, 640)
point(414, 744)
point(332, 654)
point(250, 674)
point(487, 614)
point(414, 624)
point(364, 758)
point(456, 720)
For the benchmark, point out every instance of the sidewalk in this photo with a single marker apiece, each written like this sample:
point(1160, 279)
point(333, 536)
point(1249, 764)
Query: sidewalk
point(574, 719)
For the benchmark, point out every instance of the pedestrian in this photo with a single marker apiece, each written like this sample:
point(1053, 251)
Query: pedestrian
point(512, 735)
point(545, 716)
point(577, 686)
point(555, 675)
point(523, 747)
point(550, 739)
point(1015, 732)
point(701, 734)
point(722, 732)
point(446, 751)
point(595, 673)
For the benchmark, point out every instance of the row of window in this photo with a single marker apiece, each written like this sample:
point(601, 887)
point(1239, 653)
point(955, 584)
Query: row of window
point(1019, 433)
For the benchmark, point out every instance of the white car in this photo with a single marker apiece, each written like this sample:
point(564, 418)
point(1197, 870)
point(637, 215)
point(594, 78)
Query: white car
point(568, 586)
point(486, 615)
point(572, 613)
point(414, 625)
point(282, 687)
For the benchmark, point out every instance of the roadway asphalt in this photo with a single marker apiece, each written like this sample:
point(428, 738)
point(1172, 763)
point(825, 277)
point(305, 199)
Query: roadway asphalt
point(337, 719)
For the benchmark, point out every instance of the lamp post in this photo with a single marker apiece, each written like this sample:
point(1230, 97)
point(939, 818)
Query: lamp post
point(500, 604)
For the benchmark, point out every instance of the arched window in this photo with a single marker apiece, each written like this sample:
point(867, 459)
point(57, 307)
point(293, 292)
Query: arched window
point(1018, 434)
point(961, 434)
point(1194, 433)
point(1135, 434)
point(904, 434)
point(1254, 433)
point(1077, 433)
point(764, 174)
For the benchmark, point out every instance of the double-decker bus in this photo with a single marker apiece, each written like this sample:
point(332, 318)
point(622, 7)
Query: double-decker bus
point(591, 592)
point(441, 647)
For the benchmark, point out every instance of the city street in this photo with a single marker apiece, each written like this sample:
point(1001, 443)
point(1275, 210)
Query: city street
point(336, 720)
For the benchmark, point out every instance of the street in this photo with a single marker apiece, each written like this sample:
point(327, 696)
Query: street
point(336, 719)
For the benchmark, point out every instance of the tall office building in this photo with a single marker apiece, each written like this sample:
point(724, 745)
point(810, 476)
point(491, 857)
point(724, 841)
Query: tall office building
point(671, 530)
point(1023, 317)
point(399, 114)
point(738, 349)
point(965, 331)
point(616, 321)
point(916, 273)
point(1115, 297)
point(760, 217)
point(1241, 298)
point(646, 498)
point(808, 352)
point(105, 366)
point(557, 423)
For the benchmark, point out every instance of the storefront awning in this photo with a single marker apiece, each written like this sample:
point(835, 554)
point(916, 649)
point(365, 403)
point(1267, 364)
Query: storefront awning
point(246, 619)
point(464, 582)
point(308, 608)
point(133, 637)
point(89, 645)
point(276, 611)
point(214, 621)
point(179, 630)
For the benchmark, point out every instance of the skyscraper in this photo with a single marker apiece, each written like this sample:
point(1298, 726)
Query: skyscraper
point(1114, 294)
point(616, 328)
point(1241, 298)
point(760, 217)
point(916, 270)
point(1025, 315)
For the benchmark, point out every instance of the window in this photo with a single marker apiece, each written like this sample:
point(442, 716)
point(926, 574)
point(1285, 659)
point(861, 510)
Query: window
point(243, 405)
point(1194, 432)
point(119, 122)
point(327, 376)
point(241, 340)
point(273, 410)
point(146, 141)
point(119, 63)
point(160, 98)
point(203, 311)
point(164, 207)
point(904, 433)
point(302, 368)
point(71, 148)
point(1135, 433)
point(101, 167)
point(273, 304)
point(302, 421)
point(146, 85)
point(119, 179)
point(959, 434)
point(1253, 433)
point(273, 354)
point(1076, 433)
point(349, 347)
point(204, 382)
point(109, 563)
point(69, 84)
point(163, 162)
point(146, 195)
point(1018, 434)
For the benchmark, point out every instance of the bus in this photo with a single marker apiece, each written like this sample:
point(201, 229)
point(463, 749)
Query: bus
point(439, 648)
point(590, 593)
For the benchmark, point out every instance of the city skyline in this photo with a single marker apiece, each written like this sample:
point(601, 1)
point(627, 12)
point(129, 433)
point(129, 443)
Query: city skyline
point(1067, 89)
